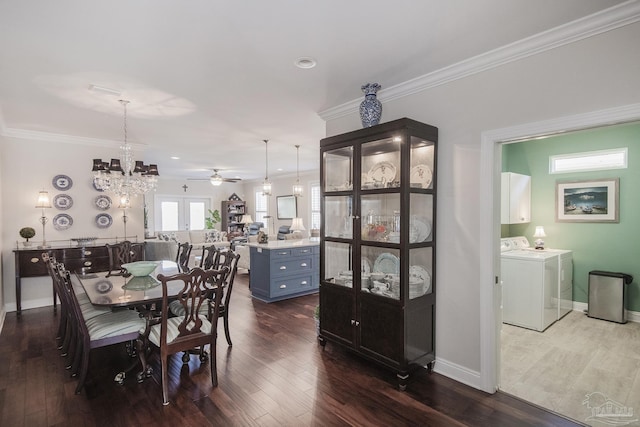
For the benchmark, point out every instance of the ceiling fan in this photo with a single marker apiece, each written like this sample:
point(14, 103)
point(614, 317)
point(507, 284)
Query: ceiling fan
point(215, 179)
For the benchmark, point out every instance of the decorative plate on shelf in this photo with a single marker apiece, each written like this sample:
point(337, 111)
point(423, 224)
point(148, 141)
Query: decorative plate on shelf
point(387, 263)
point(103, 202)
point(62, 202)
point(382, 172)
point(419, 229)
point(62, 182)
point(421, 176)
point(104, 220)
point(62, 221)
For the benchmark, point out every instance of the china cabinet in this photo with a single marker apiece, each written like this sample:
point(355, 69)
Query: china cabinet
point(377, 243)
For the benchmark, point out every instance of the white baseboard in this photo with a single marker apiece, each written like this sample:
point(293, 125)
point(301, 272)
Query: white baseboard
point(458, 373)
point(3, 314)
point(632, 316)
point(26, 305)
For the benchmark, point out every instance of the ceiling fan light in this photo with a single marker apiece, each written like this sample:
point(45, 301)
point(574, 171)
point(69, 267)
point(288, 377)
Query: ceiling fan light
point(216, 180)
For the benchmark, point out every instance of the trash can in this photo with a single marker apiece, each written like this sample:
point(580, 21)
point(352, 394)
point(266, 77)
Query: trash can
point(608, 295)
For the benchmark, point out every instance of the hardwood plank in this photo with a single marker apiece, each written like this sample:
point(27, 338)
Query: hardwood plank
point(276, 374)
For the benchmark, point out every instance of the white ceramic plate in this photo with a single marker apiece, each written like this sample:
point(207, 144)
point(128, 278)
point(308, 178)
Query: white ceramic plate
point(421, 176)
point(103, 202)
point(419, 273)
point(104, 220)
point(387, 263)
point(382, 172)
point(62, 222)
point(62, 202)
point(419, 229)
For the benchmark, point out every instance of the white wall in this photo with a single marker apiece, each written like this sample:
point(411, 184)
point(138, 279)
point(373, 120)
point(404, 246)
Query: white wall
point(2, 310)
point(593, 74)
point(28, 166)
point(283, 186)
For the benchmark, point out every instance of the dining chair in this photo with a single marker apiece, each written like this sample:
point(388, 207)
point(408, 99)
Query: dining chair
point(200, 288)
point(228, 259)
point(64, 333)
point(96, 328)
point(210, 257)
point(182, 258)
point(119, 253)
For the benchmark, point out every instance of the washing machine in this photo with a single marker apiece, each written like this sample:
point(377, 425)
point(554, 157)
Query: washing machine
point(536, 284)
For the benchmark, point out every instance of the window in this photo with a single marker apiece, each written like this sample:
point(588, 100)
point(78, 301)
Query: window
point(262, 207)
point(180, 213)
point(315, 205)
point(615, 158)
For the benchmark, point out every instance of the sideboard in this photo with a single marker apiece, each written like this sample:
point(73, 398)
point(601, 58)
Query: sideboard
point(284, 269)
point(94, 257)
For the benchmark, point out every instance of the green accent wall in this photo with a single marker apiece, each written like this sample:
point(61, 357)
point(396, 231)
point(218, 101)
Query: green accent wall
point(596, 246)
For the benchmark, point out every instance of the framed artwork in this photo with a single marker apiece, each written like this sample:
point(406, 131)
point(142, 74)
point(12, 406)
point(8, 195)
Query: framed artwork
point(287, 207)
point(588, 201)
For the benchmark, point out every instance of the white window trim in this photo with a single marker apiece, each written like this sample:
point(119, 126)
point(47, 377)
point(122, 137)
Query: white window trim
point(553, 160)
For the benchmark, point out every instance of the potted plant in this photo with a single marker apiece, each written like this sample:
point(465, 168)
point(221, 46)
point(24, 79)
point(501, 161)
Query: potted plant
point(27, 233)
point(213, 218)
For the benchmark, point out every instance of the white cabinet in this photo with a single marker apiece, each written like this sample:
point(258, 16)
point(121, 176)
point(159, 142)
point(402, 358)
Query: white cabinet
point(516, 198)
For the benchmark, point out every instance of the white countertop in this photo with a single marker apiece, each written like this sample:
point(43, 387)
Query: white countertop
point(280, 244)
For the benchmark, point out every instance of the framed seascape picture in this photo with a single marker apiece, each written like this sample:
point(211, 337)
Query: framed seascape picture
point(588, 201)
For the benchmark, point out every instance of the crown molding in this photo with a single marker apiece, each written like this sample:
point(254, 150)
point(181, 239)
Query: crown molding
point(589, 26)
point(66, 139)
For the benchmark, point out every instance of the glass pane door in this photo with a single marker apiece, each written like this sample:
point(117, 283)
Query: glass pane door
point(181, 213)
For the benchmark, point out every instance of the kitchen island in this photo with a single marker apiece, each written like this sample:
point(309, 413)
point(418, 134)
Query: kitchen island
point(283, 269)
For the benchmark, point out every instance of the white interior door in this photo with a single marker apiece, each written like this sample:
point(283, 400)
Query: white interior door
point(181, 213)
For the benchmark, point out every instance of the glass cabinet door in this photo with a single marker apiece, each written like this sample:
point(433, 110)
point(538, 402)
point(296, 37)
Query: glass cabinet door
point(380, 163)
point(422, 156)
point(338, 214)
point(338, 169)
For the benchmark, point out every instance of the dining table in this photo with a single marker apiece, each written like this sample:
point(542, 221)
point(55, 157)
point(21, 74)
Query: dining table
point(121, 291)
point(128, 292)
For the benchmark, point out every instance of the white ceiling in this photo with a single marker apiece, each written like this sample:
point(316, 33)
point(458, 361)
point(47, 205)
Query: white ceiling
point(208, 80)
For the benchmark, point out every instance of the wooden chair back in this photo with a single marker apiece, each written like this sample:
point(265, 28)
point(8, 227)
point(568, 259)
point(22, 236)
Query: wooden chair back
point(182, 258)
point(119, 253)
point(210, 257)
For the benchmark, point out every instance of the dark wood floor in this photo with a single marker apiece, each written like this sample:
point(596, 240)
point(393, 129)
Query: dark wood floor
point(275, 374)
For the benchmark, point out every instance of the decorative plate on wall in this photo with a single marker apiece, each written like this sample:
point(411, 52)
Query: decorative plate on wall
point(62, 202)
point(103, 202)
point(95, 187)
point(62, 182)
point(104, 220)
point(62, 222)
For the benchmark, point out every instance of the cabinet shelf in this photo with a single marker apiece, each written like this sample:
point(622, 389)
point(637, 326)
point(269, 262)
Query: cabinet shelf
point(377, 244)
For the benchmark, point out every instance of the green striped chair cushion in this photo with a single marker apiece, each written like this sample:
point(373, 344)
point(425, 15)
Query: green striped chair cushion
point(172, 329)
point(114, 323)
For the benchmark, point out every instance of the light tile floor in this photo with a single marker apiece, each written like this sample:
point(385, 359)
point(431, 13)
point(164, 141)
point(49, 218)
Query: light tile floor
point(575, 357)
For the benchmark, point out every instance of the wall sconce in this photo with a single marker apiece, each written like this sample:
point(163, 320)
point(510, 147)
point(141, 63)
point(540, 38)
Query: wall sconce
point(539, 234)
point(124, 205)
point(43, 203)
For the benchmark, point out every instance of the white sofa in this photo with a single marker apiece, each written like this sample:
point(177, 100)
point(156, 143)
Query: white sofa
point(165, 246)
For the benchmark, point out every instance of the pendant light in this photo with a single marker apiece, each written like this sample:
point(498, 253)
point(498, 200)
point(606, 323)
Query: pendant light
point(297, 187)
point(266, 185)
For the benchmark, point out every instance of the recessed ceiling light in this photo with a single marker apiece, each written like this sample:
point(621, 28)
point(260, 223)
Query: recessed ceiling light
point(175, 157)
point(102, 89)
point(279, 169)
point(305, 62)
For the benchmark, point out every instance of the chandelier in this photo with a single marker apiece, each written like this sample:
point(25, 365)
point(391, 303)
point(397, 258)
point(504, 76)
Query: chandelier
point(125, 176)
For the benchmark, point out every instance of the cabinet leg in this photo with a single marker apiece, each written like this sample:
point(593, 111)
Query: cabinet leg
point(402, 381)
point(322, 341)
point(430, 366)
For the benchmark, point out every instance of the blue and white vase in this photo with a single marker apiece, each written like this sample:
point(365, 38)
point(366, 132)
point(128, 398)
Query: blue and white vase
point(370, 108)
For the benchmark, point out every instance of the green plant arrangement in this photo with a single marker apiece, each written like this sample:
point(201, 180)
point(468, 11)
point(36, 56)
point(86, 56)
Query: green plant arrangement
point(27, 233)
point(213, 218)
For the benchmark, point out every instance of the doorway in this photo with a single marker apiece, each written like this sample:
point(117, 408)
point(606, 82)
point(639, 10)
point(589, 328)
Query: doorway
point(491, 166)
point(180, 213)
